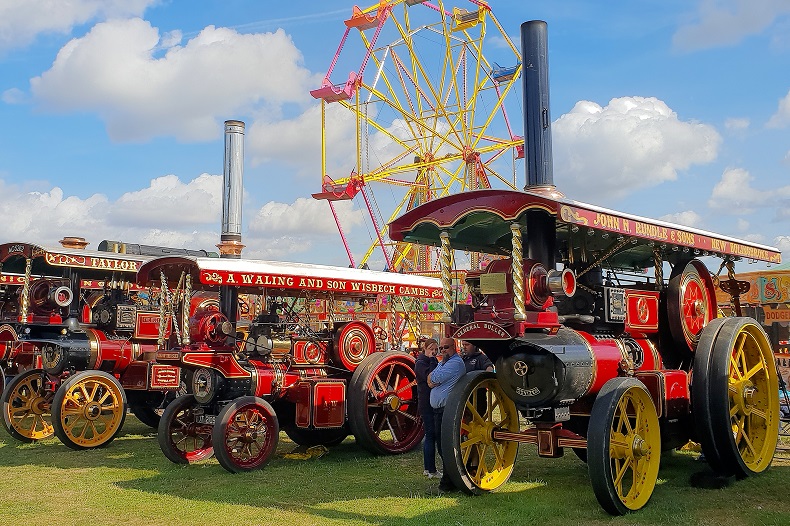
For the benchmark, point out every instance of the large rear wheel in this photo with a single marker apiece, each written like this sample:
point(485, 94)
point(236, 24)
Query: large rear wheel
point(623, 446)
point(736, 404)
point(26, 406)
point(181, 437)
point(88, 410)
point(246, 434)
point(382, 404)
point(473, 459)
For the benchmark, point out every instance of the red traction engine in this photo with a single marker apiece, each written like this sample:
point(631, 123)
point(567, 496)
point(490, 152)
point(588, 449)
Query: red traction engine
point(316, 380)
point(606, 356)
point(79, 338)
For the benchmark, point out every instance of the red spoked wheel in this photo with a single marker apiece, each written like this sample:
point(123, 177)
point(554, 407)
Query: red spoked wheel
point(183, 439)
point(382, 404)
point(246, 434)
point(691, 303)
point(354, 342)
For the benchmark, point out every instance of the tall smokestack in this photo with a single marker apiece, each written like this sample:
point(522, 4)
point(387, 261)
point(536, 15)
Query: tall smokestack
point(541, 227)
point(537, 119)
point(230, 245)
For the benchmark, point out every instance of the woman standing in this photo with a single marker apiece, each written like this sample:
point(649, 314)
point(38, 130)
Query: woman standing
point(425, 363)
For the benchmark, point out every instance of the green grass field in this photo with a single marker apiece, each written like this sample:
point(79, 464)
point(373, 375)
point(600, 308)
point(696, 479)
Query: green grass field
point(131, 482)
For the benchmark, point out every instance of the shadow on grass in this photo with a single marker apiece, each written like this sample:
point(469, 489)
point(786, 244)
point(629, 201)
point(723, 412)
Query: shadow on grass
point(349, 484)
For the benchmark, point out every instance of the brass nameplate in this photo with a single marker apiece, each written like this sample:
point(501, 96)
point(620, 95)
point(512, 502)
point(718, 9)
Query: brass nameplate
point(495, 283)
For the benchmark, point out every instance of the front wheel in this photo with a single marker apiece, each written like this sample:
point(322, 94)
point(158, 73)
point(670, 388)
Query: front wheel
point(88, 410)
point(473, 459)
point(181, 437)
point(26, 406)
point(246, 434)
point(623, 446)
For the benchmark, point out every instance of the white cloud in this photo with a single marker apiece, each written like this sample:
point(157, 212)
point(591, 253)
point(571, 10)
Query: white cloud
point(736, 124)
point(734, 194)
point(687, 218)
point(742, 224)
point(781, 118)
point(604, 153)
point(198, 202)
point(21, 21)
point(727, 22)
point(144, 86)
point(171, 212)
point(296, 142)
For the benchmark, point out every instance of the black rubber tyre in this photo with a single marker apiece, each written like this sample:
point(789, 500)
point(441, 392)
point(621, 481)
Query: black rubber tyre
point(473, 460)
point(181, 439)
point(741, 395)
point(246, 434)
point(623, 435)
point(382, 404)
point(147, 415)
point(700, 399)
point(88, 410)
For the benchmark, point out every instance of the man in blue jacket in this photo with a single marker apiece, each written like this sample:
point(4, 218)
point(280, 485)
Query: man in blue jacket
point(442, 380)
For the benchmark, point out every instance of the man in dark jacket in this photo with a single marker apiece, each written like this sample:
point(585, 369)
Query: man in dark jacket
point(474, 359)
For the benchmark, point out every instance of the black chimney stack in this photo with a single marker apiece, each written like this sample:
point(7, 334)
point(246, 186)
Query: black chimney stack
point(537, 119)
point(541, 228)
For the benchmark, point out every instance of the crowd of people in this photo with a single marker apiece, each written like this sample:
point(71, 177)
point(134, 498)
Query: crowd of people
point(439, 367)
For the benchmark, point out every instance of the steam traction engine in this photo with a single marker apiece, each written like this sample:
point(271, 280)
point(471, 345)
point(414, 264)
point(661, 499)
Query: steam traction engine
point(317, 380)
point(78, 340)
point(599, 356)
point(593, 346)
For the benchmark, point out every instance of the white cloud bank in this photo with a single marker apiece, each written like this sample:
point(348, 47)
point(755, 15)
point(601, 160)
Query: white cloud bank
point(604, 153)
point(170, 212)
point(727, 22)
point(21, 21)
point(143, 85)
point(734, 194)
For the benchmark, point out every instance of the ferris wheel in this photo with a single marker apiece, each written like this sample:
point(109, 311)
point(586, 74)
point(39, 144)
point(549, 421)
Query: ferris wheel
point(429, 90)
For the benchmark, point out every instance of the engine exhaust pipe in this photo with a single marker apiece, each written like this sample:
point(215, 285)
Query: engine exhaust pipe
point(541, 235)
point(230, 241)
point(537, 119)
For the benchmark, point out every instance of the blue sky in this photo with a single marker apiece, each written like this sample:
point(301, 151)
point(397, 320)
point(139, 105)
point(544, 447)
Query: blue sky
point(112, 117)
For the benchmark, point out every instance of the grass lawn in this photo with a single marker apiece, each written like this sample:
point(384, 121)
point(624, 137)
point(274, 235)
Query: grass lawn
point(131, 482)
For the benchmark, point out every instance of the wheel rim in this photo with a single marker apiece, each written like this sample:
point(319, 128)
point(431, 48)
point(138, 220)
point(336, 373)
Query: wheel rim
point(753, 398)
point(26, 410)
point(634, 448)
point(692, 303)
point(184, 438)
point(249, 436)
point(488, 462)
point(392, 416)
point(92, 411)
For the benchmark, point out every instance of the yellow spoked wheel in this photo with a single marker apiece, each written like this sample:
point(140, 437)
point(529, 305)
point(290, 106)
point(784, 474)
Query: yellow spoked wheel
point(88, 410)
point(476, 408)
point(736, 398)
point(623, 446)
point(26, 406)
